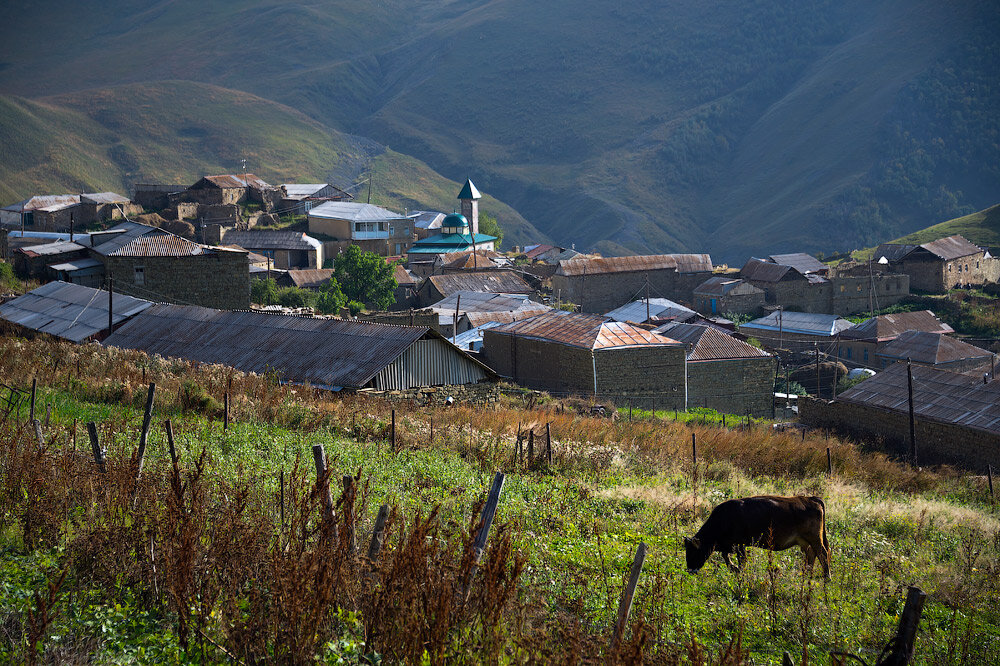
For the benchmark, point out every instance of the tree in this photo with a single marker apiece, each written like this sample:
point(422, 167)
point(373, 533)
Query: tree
point(264, 292)
point(365, 277)
point(331, 299)
point(489, 225)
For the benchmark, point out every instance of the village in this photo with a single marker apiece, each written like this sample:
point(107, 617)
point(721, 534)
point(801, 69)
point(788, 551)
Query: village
point(232, 270)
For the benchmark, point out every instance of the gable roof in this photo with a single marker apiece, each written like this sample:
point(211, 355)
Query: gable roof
point(497, 282)
point(426, 219)
point(355, 212)
point(506, 316)
point(309, 278)
point(50, 249)
point(160, 245)
point(469, 191)
point(42, 201)
point(230, 181)
point(70, 311)
point(952, 247)
point(583, 330)
point(800, 261)
point(764, 271)
point(889, 326)
point(893, 252)
point(682, 263)
point(403, 276)
point(807, 323)
point(103, 198)
point(931, 348)
point(939, 395)
point(321, 352)
point(470, 261)
point(126, 232)
point(720, 286)
point(272, 240)
point(659, 308)
point(710, 344)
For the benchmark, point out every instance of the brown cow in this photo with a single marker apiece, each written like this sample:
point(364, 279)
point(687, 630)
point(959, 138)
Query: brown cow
point(766, 521)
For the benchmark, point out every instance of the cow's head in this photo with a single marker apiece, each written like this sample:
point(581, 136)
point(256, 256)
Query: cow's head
point(697, 553)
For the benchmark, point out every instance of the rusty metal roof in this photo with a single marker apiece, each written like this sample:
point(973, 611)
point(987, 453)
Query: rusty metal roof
point(158, 245)
point(890, 326)
point(944, 396)
point(496, 282)
point(952, 247)
point(764, 271)
point(272, 240)
point(50, 249)
point(321, 352)
point(69, 311)
point(931, 349)
point(710, 344)
point(310, 278)
point(583, 330)
point(232, 181)
point(469, 261)
point(403, 276)
point(659, 308)
point(43, 201)
point(682, 263)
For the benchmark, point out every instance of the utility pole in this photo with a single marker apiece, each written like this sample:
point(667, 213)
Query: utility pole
point(111, 294)
point(871, 289)
point(647, 298)
point(246, 183)
point(71, 227)
point(909, 389)
point(371, 174)
point(781, 343)
point(816, 350)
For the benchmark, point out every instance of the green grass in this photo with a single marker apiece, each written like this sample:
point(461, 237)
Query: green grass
point(577, 522)
point(982, 228)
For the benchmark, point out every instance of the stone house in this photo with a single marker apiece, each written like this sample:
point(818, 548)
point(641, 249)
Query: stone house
point(936, 350)
point(468, 309)
point(599, 284)
point(370, 227)
point(569, 353)
point(311, 279)
point(32, 262)
point(225, 189)
point(286, 249)
point(940, 265)
point(724, 373)
point(155, 196)
point(726, 295)
point(859, 344)
point(438, 287)
point(300, 198)
point(956, 415)
point(61, 212)
point(843, 293)
point(796, 331)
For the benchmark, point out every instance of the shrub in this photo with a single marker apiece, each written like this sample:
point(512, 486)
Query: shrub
point(293, 297)
point(195, 398)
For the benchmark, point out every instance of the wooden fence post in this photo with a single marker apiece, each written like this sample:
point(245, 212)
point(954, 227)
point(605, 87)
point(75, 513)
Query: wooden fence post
point(48, 414)
point(281, 494)
point(168, 426)
point(902, 645)
point(31, 409)
point(829, 462)
point(95, 447)
point(531, 446)
point(319, 458)
point(548, 444)
point(489, 511)
point(628, 595)
point(375, 545)
point(38, 431)
point(349, 517)
point(144, 433)
point(225, 414)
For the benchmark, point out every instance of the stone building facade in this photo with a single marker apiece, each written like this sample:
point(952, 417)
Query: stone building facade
point(601, 284)
point(733, 386)
point(941, 265)
point(720, 295)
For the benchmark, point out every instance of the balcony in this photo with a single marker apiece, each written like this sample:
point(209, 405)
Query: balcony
point(369, 235)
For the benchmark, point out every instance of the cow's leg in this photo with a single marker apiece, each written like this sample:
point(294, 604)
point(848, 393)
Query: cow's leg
point(814, 549)
point(741, 556)
point(729, 562)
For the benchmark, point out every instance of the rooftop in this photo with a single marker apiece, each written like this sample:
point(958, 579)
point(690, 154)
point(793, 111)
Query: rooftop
point(952, 247)
point(659, 308)
point(426, 219)
point(495, 282)
point(808, 323)
point(583, 330)
point(272, 240)
point(469, 191)
point(720, 286)
point(764, 271)
point(309, 278)
point(233, 180)
point(443, 243)
point(69, 311)
point(48, 249)
point(931, 349)
point(800, 261)
point(355, 212)
point(943, 396)
point(890, 326)
point(682, 263)
point(710, 344)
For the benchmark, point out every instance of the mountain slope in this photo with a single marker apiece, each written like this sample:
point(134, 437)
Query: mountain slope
point(982, 228)
point(649, 126)
point(175, 132)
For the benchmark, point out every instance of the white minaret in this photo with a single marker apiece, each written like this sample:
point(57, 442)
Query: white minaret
point(470, 196)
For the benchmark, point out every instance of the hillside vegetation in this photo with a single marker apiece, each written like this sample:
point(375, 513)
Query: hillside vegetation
point(175, 132)
point(225, 554)
point(982, 228)
point(689, 125)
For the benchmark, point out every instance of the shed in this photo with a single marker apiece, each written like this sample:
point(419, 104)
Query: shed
point(438, 287)
point(721, 294)
point(70, 311)
point(286, 249)
point(326, 353)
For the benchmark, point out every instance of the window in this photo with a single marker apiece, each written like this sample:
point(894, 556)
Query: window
point(848, 352)
point(960, 268)
point(392, 232)
point(949, 268)
point(967, 268)
point(866, 355)
point(399, 249)
point(140, 275)
point(977, 263)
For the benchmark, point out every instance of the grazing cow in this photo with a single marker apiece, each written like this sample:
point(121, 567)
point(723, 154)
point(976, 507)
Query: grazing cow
point(766, 521)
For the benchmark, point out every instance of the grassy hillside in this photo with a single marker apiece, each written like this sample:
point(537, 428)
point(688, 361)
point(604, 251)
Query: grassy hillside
point(225, 556)
point(177, 131)
point(982, 228)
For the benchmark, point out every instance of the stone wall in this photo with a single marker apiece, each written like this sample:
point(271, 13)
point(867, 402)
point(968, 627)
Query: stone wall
point(733, 386)
point(485, 393)
point(603, 292)
point(567, 370)
point(937, 443)
point(751, 304)
point(211, 279)
point(840, 295)
point(935, 276)
point(152, 196)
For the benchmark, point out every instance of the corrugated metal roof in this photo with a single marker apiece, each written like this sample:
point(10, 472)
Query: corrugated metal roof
point(310, 278)
point(682, 263)
point(232, 181)
point(49, 249)
point(158, 245)
point(321, 352)
point(481, 301)
point(931, 348)
point(763, 271)
point(403, 276)
point(583, 330)
point(505, 317)
point(809, 323)
point(710, 344)
point(890, 326)
point(69, 311)
point(659, 308)
point(103, 198)
point(471, 261)
point(940, 395)
point(426, 219)
point(43, 201)
point(272, 240)
point(302, 190)
point(78, 265)
point(952, 247)
point(496, 282)
point(355, 212)
point(800, 261)
point(893, 251)
point(107, 244)
point(721, 286)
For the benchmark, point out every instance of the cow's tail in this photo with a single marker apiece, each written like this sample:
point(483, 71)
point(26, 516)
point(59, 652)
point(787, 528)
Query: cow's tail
point(826, 542)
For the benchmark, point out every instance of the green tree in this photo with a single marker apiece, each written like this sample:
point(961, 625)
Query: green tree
point(365, 277)
point(331, 299)
point(264, 292)
point(489, 225)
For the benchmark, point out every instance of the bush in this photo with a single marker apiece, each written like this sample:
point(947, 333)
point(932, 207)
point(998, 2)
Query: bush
point(195, 398)
point(264, 292)
point(293, 297)
point(355, 307)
